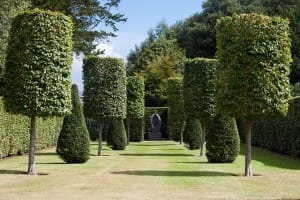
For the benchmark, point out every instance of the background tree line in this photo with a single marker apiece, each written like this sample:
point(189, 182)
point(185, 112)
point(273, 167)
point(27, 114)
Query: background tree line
point(196, 37)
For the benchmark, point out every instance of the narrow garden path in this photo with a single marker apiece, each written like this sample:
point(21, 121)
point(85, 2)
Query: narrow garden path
point(150, 170)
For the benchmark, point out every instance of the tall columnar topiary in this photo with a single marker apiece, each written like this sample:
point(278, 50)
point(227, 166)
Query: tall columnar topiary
point(73, 141)
point(201, 75)
point(176, 109)
point(135, 101)
point(223, 143)
point(38, 65)
point(104, 89)
point(192, 133)
point(254, 53)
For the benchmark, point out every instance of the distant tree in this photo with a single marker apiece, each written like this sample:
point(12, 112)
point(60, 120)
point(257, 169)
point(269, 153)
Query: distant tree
point(252, 81)
point(73, 142)
point(37, 77)
point(104, 93)
point(87, 16)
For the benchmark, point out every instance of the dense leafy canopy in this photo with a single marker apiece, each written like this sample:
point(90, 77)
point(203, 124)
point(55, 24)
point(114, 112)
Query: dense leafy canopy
point(104, 87)
point(135, 97)
point(254, 52)
point(73, 142)
point(192, 133)
point(116, 137)
point(38, 65)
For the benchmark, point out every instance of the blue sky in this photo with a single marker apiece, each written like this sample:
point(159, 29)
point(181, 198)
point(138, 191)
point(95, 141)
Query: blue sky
point(142, 16)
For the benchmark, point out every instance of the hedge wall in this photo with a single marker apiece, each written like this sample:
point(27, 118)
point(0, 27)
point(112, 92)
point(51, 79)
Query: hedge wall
point(14, 132)
point(163, 113)
point(176, 109)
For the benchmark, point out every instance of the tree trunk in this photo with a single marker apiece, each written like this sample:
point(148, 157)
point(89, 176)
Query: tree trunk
point(248, 165)
point(31, 163)
point(181, 132)
point(128, 131)
point(100, 140)
point(202, 147)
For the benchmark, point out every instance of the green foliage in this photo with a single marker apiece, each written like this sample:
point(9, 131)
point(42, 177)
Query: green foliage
point(8, 9)
point(163, 113)
point(93, 128)
point(37, 78)
point(280, 134)
point(104, 87)
point(175, 107)
point(73, 142)
point(135, 97)
point(192, 133)
point(137, 127)
point(223, 143)
point(88, 16)
point(254, 52)
point(14, 132)
point(116, 137)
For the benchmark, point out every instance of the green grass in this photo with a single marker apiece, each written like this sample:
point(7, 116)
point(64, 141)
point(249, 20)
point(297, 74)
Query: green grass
point(150, 170)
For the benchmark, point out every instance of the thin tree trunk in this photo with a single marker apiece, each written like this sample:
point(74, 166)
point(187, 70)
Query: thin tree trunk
point(248, 165)
point(31, 163)
point(202, 148)
point(181, 132)
point(100, 140)
point(128, 131)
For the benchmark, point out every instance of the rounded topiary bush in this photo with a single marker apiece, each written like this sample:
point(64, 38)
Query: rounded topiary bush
point(73, 141)
point(223, 143)
point(116, 137)
point(192, 133)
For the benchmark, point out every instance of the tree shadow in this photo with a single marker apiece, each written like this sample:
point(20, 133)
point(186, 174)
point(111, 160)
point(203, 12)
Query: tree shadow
point(200, 162)
point(175, 173)
point(171, 149)
point(46, 154)
point(272, 159)
point(152, 144)
point(51, 163)
point(19, 172)
point(156, 154)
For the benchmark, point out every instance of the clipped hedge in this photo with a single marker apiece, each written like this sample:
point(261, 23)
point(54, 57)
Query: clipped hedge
point(14, 132)
point(175, 108)
point(137, 127)
point(255, 56)
point(116, 137)
point(104, 93)
point(163, 113)
point(135, 97)
point(223, 143)
point(38, 64)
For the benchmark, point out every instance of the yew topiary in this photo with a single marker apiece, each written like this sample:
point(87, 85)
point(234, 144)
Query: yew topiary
point(223, 143)
point(73, 142)
point(116, 137)
point(192, 133)
point(38, 64)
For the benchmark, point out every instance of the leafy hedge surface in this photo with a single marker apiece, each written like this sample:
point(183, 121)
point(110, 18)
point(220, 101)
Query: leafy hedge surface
point(254, 52)
point(104, 87)
point(192, 133)
point(137, 127)
point(175, 107)
point(116, 137)
point(223, 144)
point(38, 64)
point(200, 83)
point(14, 132)
point(135, 97)
point(73, 142)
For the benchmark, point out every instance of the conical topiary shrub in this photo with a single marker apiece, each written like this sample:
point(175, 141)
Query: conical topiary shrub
point(116, 137)
point(192, 133)
point(223, 143)
point(73, 141)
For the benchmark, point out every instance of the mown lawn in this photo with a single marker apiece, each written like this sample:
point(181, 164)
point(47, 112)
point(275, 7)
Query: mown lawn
point(150, 170)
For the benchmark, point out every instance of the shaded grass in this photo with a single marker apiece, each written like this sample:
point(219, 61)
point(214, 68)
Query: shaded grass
point(150, 170)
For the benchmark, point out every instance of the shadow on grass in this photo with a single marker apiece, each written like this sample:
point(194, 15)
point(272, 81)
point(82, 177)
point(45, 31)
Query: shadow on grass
point(46, 154)
point(170, 149)
point(200, 162)
point(51, 163)
point(175, 173)
point(153, 144)
point(16, 172)
point(272, 159)
point(156, 154)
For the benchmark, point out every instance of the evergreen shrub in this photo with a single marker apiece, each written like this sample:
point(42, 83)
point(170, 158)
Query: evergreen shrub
point(116, 137)
point(192, 133)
